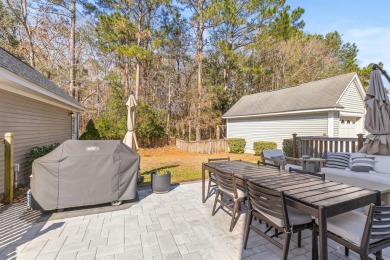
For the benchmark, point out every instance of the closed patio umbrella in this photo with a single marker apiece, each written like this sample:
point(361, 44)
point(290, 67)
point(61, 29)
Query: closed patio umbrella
point(130, 138)
point(377, 120)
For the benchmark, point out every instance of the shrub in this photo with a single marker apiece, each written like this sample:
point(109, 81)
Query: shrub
point(236, 145)
point(39, 151)
point(91, 133)
point(288, 147)
point(263, 145)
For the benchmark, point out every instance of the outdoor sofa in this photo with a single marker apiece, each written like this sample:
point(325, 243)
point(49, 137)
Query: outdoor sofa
point(379, 174)
point(373, 173)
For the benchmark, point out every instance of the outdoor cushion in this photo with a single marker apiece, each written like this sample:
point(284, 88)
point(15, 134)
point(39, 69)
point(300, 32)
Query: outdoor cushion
point(362, 164)
point(382, 164)
point(338, 160)
point(272, 153)
point(280, 160)
point(372, 176)
point(295, 216)
point(349, 226)
point(354, 155)
point(240, 193)
point(293, 166)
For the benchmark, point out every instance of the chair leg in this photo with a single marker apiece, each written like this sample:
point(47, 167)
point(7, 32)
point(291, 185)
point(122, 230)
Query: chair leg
point(287, 238)
point(248, 223)
point(209, 188)
point(215, 202)
point(276, 233)
point(314, 244)
point(378, 255)
point(299, 239)
point(346, 251)
point(236, 203)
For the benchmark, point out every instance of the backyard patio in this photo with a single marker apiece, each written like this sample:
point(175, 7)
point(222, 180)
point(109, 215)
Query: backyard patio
point(174, 225)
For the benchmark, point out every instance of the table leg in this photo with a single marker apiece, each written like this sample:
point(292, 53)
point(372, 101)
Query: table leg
point(323, 237)
point(203, 184)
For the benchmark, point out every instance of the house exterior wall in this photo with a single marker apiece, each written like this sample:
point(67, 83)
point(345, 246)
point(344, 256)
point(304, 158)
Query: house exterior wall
point(33, 123)
point(275, 129)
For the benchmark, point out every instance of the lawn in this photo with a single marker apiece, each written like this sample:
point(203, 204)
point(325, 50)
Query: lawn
point(184, 166)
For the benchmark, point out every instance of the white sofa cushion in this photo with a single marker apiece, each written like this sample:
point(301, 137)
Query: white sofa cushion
point(336, 172)
point(372, 177)
point(382, 164)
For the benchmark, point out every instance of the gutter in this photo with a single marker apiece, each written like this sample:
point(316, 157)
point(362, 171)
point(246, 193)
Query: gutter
point(336, 108)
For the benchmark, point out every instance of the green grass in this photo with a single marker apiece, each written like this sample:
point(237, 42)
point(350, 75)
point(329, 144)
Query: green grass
point(184, 166)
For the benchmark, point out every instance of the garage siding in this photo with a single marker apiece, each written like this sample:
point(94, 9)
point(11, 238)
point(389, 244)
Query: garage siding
point(352, 101)
point(276, 129)
point(33, 123)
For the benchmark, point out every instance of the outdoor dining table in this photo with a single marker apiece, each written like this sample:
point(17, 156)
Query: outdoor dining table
point(311, 194)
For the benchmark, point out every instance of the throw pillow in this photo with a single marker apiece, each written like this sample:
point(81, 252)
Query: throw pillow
point(363, 164)
point(281, 160)
point(338, 160)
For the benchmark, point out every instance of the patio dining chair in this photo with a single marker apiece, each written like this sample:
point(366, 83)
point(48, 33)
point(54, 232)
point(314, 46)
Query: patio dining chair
point(360, 233)
point(270, 207)
point(277, 157)
point(212, 180)
point(277, 166)
point(227, 186)
point(316, 174)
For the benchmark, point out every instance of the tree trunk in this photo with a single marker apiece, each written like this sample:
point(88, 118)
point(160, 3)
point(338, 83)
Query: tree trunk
point(199, 47)
point(72, 49)
point(23, 19)
point(189, 130)
point(137, 73)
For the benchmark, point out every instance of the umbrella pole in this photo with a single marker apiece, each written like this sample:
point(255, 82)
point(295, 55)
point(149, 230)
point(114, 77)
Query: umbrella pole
point(384, 73)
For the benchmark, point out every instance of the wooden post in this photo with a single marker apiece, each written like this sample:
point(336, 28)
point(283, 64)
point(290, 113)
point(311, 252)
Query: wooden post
point(360, 141)
point(294, 145)
point(9, 168)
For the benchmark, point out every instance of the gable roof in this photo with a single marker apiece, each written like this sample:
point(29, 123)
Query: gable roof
point(320, 94)
point(21, 69)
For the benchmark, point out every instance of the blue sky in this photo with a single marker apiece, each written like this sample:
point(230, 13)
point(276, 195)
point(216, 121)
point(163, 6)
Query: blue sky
point(365, 23)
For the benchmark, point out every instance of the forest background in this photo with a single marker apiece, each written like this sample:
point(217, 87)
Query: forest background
point(186, 61)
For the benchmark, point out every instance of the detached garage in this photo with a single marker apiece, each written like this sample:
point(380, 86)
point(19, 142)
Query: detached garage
point(332, 106)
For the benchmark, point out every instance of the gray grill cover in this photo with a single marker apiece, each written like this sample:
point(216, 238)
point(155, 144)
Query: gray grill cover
point(80, 173)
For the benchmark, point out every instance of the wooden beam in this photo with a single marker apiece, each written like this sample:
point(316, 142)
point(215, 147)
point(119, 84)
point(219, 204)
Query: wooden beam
point(9, 168)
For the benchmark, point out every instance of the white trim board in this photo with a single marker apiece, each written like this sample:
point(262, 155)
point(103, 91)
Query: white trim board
point(12, 83)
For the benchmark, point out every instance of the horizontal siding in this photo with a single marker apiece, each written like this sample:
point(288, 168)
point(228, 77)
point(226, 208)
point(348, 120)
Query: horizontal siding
point(276, 129)
point(352, 100)
point(33, 123)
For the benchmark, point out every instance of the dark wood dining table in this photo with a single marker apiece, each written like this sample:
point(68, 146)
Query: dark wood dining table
point(311, 194)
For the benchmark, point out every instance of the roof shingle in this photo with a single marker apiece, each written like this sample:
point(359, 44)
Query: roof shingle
point(313, 95)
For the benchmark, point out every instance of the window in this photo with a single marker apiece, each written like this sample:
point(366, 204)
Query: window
point(342, 121)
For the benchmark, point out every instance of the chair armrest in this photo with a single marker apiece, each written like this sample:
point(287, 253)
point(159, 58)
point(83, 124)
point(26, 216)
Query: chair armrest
point(218, 159)
point(300, 160)
point(274, 161)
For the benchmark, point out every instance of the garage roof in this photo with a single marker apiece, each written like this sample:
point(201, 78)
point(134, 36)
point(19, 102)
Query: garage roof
point(320, 94)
